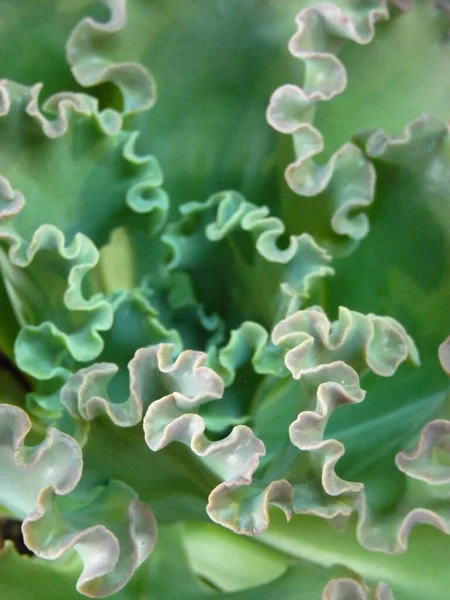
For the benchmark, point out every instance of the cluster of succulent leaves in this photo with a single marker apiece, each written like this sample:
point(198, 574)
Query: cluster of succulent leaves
point(225, 258)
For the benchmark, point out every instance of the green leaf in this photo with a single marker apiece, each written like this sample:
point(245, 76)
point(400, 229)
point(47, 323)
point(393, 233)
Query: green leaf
point(20, 573)
point(408, 574)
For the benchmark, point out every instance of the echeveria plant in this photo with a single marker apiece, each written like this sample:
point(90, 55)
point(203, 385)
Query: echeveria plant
point(225, 296)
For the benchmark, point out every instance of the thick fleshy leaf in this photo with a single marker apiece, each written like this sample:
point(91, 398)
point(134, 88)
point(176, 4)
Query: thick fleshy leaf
point(61, 324)
point(174, 393)
point(135, 325)
point(241, 363)
point(228, 242)
point(326, 359)
point(272, 574)
point(347, 180)
point(212, 146)
point(85, 395)
point(41, 55)
point(54, 465)
point(407, 575)
point(173, 481)
point(90, 67)
point(70, 137)
point(113, 534)
point(401, 270)
point(354, 76)
point(426, 495)
point(410, 224)
point(112, 403)
point(323, 419)
point(19, 574)
point(174, 418)
point(388, 93)
point(109, 528)
point(102, 51)
point(186, 564)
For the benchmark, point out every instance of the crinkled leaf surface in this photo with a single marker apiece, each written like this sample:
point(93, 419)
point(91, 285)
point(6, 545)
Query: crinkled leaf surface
point(189, 557)
point(48, 25)
point(268, 330)
point(412, 210)
point(197, 126)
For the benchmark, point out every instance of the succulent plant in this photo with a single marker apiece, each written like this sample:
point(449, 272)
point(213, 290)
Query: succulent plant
point(225, 260)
